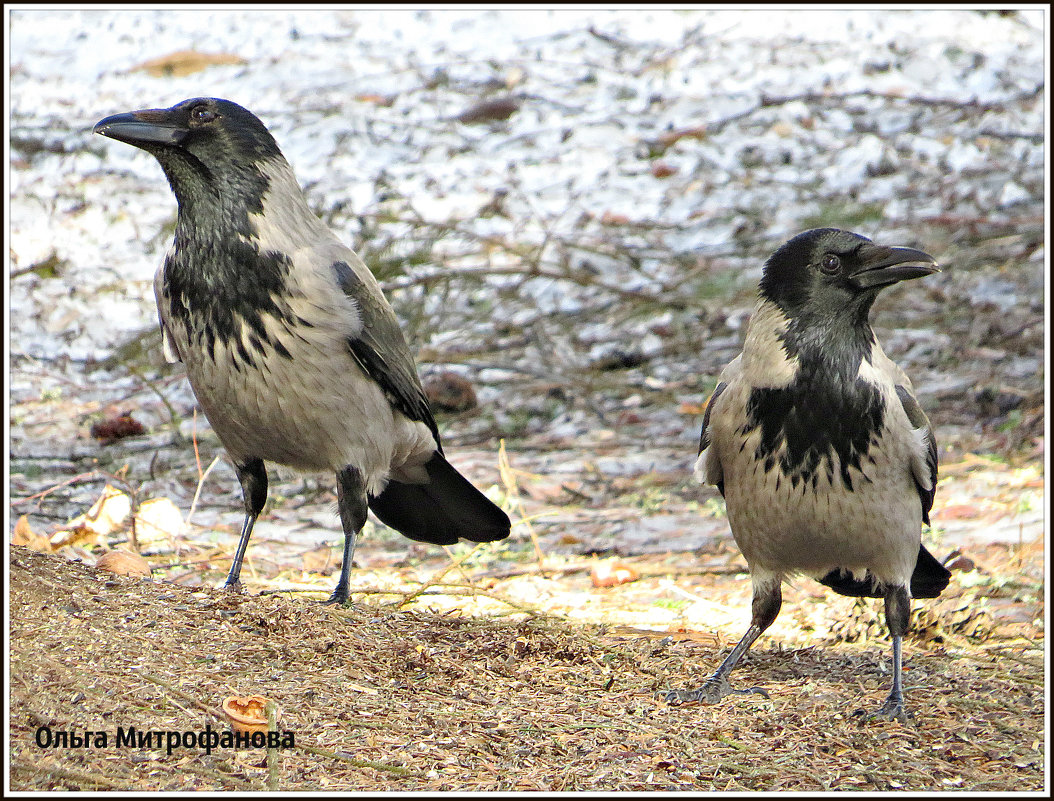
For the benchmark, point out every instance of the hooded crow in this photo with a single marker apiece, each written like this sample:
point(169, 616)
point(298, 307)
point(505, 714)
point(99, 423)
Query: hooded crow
point(291, 348)
point(813, 436)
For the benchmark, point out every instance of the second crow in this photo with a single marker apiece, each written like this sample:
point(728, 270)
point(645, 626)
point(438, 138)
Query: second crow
point(291, 348)
point(813, 436)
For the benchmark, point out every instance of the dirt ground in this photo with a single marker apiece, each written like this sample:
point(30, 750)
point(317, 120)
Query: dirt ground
point(435, 698)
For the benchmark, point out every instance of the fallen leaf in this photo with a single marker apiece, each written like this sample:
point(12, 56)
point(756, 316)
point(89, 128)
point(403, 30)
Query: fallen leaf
point(611, 218)
point(653, 148)
point(782, 129)
point(612, 573)
point(450, 392)
point(661, 169)
point(185, 62)
point(679, 633)
point(377, 100)
point(105, 516)
point(117, 427)
point(24, 535)
point(959, 511)
point(123, 563)
point(547, 491)
point(500, 108)
point(318, 560)
point(157, 519)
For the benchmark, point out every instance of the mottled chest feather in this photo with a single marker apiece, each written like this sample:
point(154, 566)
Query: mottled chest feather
point(819, 416)
point(813, 409)
point(221, 289)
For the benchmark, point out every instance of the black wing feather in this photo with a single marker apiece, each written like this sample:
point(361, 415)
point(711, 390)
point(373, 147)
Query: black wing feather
point(406, 396)
point(382, 352)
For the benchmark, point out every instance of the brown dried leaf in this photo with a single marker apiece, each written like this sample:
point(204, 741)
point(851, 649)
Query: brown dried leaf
point(24, 535)
point(960, 511)
point(660, 169)
point(105, 516)
point(612, 218)
point(375, 99)
point(496, 110)
point(185, 62)
point(123, 563)
point(450, 392)
point(318, 560)
point(117, 427)
point(612, 573)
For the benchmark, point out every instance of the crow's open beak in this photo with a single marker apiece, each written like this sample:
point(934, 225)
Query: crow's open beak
point(149, 127)
point(881, 266)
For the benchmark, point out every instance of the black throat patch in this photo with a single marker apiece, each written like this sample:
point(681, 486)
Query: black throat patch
point(826, 411)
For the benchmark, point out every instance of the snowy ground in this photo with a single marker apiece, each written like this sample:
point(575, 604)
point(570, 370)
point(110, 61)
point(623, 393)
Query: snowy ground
point(589, 261)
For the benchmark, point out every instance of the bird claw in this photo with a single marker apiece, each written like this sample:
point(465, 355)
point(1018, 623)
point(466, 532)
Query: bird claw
point(234, 586)
point(710, 693)
point(757, 690)
point(890, 710)
point(338, 598)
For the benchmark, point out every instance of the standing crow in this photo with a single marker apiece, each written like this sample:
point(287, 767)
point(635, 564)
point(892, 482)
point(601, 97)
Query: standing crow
point(826, 461)
point(291, 348)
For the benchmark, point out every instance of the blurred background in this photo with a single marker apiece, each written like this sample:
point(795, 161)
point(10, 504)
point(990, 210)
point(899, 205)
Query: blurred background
point(569, 210)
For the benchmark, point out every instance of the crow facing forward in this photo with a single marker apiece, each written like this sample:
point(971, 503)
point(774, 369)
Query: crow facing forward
point(814, 438)
point(291, 348)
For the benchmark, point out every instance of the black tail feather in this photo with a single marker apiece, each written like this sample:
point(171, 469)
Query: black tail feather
point(928, 580)
point(445, 509)
point(930, 576)
point(843, 582)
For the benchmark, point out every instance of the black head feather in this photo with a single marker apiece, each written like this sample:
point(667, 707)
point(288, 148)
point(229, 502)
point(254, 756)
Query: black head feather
point(802, 277)
point(210, 149)
point(828, 274)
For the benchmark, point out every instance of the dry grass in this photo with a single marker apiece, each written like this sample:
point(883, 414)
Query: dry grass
point(392, 700)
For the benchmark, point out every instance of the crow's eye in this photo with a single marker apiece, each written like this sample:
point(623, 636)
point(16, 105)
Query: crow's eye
point(830, 264)
point(202, 114)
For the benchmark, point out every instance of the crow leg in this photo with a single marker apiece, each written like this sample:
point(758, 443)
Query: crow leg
point(351, 502)
point(765, 606)
point(898, 610)
point(253, 477)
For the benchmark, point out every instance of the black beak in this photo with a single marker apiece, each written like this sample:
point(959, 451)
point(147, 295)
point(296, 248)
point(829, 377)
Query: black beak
point(881, 266)
point(143, 128)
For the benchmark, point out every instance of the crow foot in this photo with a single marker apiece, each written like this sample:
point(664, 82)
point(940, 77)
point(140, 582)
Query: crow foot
point(338, 598)
point(892, 709)
point(710, 693)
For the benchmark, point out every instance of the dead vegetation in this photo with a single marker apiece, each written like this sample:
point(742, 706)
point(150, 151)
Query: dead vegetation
point(378, 698)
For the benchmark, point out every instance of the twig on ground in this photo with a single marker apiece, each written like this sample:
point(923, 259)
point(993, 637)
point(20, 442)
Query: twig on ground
point(190, 699)
point(397, 770)
point(201, 482)
point(80, 777)
point(39, 496)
